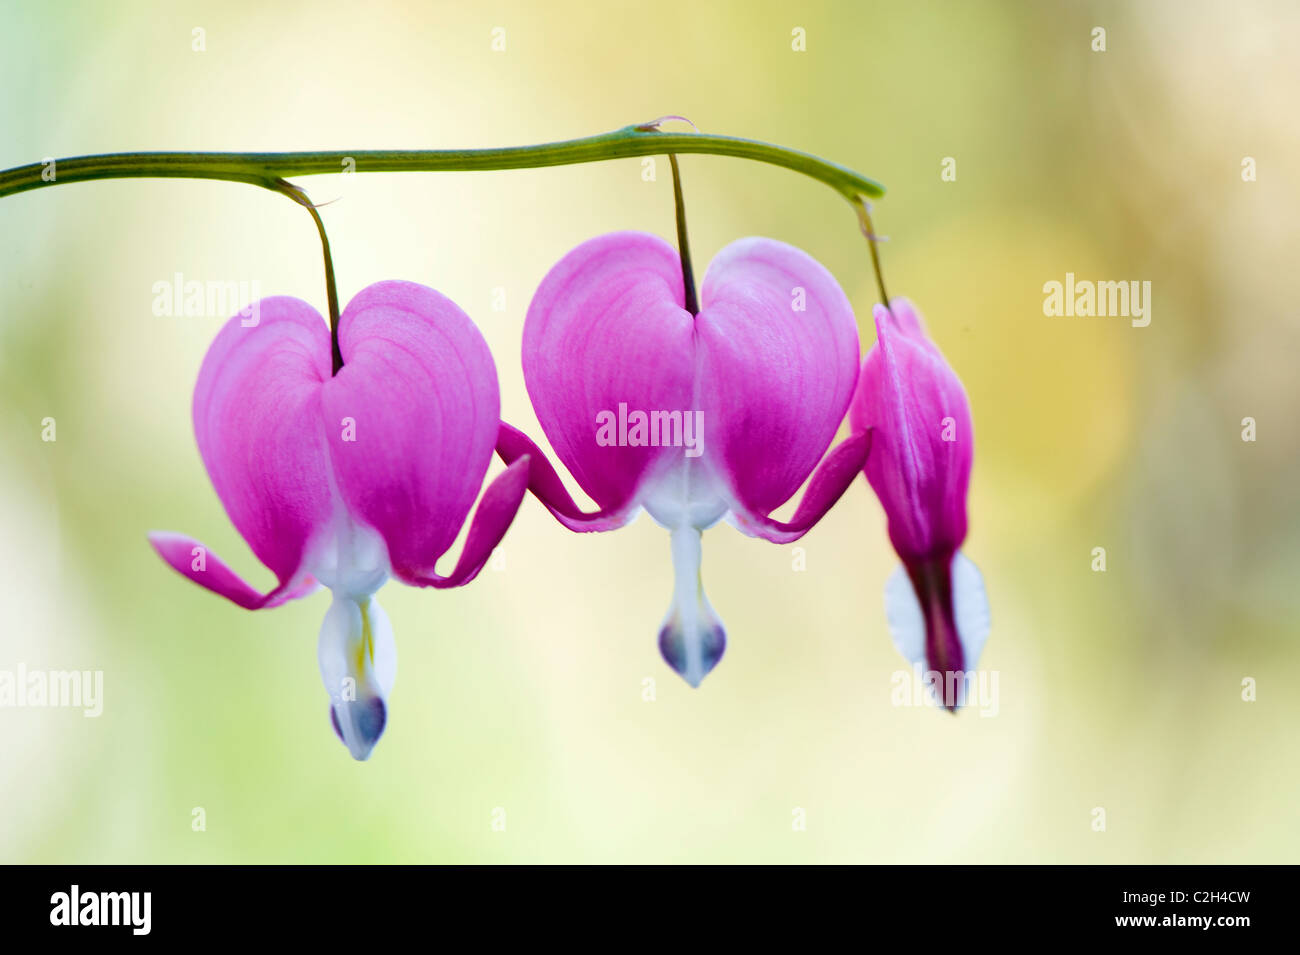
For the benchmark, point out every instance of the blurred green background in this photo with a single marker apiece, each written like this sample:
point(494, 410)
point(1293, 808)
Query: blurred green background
point(524, 691)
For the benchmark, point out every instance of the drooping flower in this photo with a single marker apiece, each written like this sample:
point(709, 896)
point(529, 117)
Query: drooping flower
point(922, 447)
point(346, 480)
point(692, 417)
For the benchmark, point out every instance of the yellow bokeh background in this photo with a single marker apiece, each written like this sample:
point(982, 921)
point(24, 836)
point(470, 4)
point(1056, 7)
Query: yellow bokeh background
point(524, 691)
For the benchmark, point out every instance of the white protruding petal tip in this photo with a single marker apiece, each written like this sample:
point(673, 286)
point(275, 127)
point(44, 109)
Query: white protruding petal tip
point(909, 623)
point(358, 665)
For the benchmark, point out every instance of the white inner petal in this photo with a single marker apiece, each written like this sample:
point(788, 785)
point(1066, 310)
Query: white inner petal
point(691, 637)
point(685, 494)
point(350, 558)
point(904, 616)
point(970, 613)
point(358, 665)
point(686, 497)
point(356, 651)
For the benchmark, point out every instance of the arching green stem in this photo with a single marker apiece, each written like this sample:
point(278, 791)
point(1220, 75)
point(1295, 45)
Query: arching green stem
point(259, 169)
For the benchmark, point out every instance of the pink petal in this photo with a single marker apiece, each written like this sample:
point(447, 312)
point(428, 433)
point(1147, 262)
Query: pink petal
point(184, 553)
point(607, 327)
point(491, 521)
point(829, 483)
point(418, 391)
point(513, 445)
point(910, 396)
point(257, 423)
point(774, 381)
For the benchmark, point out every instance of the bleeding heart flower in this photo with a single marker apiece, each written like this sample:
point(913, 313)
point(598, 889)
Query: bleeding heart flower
point(345, 480)
point(913, 403)
point(691, 417)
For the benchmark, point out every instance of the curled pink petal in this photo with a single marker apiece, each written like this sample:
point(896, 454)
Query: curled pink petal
point(491, 521)
point(778, 359)
point(513, 445)
point(191, 559)
point(607, 328)
point(411, 419)
point(828, 484)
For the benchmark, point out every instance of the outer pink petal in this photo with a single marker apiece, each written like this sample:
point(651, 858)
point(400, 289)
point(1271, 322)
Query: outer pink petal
point(778, 356)
point(257, 423)
point(513, 445)
point(906, 392)
point(830, 482)
point(411, 419)
point(491, 521)
point(607, 327)
point(179, 551)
